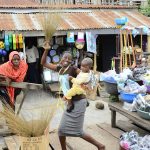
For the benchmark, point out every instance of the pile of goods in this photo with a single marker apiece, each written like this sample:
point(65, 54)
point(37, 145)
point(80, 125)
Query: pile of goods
point(132, 141)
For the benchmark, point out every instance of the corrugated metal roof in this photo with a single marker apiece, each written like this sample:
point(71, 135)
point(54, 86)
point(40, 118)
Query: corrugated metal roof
point(55, 4)
point(18, 3)
point(73, 21)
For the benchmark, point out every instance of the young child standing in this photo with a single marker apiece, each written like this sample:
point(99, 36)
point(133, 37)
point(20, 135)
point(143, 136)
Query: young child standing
point(82, 78)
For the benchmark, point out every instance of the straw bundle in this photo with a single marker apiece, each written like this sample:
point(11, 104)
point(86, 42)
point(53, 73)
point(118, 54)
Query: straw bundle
point(50, 22)
point(29, 125)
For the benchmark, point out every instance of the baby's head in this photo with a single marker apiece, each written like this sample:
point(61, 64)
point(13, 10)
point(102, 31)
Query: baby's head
point(86, 64)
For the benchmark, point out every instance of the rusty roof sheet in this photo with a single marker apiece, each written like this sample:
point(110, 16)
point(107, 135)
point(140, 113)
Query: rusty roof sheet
point(35, 4)
point(101, 19)
point(18, 4)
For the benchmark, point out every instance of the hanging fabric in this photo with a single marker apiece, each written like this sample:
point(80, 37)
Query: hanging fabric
point(6, 43)
point(10, 41)
point(14, 42)
point(17, 41)
point(20, 41)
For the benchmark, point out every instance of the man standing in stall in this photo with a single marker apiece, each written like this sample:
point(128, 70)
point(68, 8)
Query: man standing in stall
point(32, 60)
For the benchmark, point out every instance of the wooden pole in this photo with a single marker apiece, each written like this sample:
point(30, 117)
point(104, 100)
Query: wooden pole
point(121, 51)
point(24, 50)
point(125, 49)
point(132, 48)
point(95, 63)
point(128, 49)
point(141, 40)
point(23, 85)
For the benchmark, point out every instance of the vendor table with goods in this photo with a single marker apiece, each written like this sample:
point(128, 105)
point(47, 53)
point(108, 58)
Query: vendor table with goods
point(118, 107)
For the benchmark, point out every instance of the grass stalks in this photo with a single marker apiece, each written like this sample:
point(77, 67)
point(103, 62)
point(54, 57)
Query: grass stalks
point(50, 22)
point(33, 123)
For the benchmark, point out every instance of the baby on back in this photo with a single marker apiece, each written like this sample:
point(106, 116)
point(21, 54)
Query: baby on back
point(82, 78)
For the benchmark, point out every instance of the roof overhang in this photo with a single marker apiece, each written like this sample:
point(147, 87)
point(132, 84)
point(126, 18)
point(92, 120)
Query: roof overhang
point(101, 21)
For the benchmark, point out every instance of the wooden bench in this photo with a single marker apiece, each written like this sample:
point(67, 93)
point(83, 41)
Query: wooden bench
point(133, 116)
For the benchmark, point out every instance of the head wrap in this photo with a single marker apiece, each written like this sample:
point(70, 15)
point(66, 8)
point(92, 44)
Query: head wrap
point(15, 74)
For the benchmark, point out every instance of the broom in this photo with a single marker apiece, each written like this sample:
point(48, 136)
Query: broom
point(50, 22)
point(29, 126)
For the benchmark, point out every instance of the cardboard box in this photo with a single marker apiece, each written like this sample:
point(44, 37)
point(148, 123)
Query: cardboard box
point(35, 143)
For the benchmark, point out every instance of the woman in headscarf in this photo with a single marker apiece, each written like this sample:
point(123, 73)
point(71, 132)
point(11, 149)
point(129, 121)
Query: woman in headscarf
point(13, 70)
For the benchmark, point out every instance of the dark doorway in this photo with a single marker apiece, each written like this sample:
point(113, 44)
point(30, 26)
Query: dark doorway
point(106, 51)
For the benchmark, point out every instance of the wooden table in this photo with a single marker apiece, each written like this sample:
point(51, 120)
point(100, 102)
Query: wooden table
point(117, 107)
point(25, 86)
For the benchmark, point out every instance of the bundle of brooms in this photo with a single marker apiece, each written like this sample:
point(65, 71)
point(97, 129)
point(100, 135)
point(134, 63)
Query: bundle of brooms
point(29, 126)
point(50, 22)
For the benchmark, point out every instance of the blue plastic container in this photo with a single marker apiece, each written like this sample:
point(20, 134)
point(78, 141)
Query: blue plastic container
point(128, 97)
point(121, 21)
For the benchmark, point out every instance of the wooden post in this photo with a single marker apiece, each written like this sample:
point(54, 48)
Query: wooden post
point(24, 51)
point(129, 49)
point(121, 51)
point(132, 48)
point(95, 63)
point(141, 40)
point(113, 118)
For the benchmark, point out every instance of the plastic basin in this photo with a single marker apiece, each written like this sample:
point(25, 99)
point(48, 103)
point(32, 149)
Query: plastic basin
point(143, 114)
point(128, 97)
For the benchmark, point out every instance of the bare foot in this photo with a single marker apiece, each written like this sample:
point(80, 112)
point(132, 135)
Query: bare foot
point(101, 147)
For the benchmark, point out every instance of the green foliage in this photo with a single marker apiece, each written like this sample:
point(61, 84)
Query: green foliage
point(145, 10)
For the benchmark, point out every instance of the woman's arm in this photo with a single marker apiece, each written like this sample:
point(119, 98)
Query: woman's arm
point(43, 59)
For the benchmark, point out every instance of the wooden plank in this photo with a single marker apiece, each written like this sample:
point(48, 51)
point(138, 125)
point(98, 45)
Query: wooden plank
point(21, 103)
point(117, 106)
point(128, 126)
point(101, 135)
point(23, 85)
point(113, 131)
point(11, 143)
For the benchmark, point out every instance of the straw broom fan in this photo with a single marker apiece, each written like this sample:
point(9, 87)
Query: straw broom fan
point(29, 126)
point(50, 22)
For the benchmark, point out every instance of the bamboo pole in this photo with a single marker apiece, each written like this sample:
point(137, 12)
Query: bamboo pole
point(141, 40)
point(128, 49)
point(121, 51)
point(95, 63)
point(24, 51)
point(125, 47)
point(133, 53)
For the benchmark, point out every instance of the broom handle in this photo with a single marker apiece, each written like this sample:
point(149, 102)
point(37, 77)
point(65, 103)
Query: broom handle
point(125, 60)
point(95, 63)
point(141, 40)
point(129, 50)
point(120, 51)
point(132, 48)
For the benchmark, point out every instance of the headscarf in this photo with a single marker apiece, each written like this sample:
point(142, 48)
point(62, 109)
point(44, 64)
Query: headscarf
point(15, 74)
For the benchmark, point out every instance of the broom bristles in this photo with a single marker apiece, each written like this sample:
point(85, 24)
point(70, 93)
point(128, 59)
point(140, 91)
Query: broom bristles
point(31, 127)
point(50, 22)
